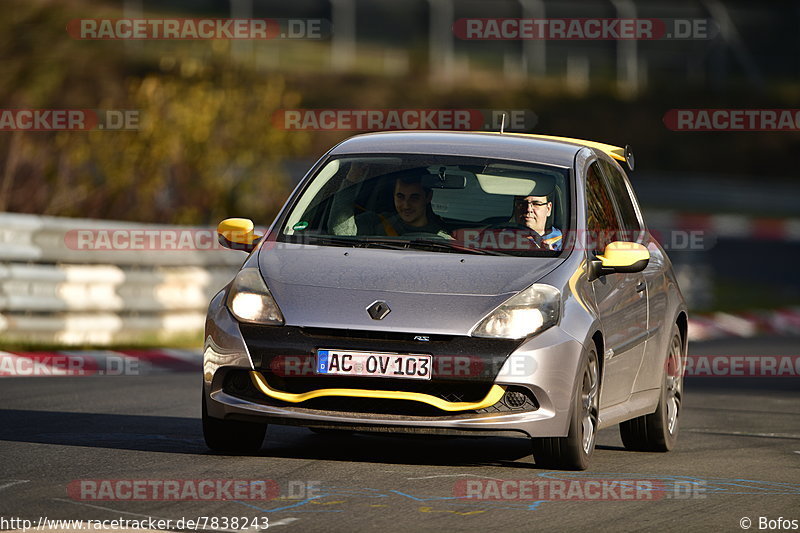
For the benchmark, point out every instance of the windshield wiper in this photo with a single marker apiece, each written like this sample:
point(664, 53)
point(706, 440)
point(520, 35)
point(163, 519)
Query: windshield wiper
point(451, 246)
point(395, 243)
point(356, 242)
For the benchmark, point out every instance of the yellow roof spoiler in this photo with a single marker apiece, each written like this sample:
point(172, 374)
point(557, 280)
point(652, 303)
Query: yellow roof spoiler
point(620, 154)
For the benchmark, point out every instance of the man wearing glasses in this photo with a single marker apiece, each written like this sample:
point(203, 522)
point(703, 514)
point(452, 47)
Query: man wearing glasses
point(532, 212)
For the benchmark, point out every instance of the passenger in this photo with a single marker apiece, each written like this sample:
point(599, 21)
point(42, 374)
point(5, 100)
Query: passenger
point(413, 212)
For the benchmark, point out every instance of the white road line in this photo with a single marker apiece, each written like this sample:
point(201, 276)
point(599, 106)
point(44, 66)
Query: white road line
point(746, 434)
point(455, 475)
point(19, 481)
point(283, 522)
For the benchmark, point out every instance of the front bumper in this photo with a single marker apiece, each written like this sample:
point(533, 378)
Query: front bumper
point(542, 368)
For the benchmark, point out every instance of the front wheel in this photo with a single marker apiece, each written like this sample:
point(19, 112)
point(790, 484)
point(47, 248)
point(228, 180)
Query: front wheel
point(658, 432)
point(232, 436)
point(574, 451)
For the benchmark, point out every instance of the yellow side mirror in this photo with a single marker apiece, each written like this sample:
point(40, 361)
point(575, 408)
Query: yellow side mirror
point(237, 234)
point(620, 256)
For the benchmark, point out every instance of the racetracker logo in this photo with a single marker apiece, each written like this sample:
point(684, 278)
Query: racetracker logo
point(524, 240)
point(198, 29)
point(173, 489)
point(563, 490)
point(583, 29)
point(732, 119)
point(742, 366)
point(403, 119)
point(36, 364)
point(145, 239)
point(69, 119)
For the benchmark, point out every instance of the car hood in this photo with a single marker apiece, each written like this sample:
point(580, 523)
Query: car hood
point(427, 292)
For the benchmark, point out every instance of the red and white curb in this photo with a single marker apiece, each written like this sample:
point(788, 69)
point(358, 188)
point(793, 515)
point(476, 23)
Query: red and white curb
point(724, 325)
point(99, 362)
point(157, 361)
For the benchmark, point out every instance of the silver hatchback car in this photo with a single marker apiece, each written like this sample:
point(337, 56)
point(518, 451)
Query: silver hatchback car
point(465, 284)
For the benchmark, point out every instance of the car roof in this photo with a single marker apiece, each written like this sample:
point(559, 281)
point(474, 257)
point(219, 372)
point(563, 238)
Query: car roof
point(520, 147)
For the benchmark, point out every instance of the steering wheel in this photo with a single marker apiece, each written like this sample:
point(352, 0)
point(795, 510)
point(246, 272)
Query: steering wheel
point(531, 234)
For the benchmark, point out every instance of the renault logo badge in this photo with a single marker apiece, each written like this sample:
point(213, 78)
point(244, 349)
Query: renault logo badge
point(378, 310)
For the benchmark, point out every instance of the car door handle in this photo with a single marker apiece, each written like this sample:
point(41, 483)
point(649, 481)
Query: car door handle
point(640, 287)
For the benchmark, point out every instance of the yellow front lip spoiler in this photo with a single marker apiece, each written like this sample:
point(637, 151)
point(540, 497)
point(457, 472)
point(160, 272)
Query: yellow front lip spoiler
point(494, 395)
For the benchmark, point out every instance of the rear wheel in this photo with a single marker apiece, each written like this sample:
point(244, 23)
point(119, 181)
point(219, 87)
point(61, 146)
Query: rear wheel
point(232, 436)
point(574, 451)
point(658, 432)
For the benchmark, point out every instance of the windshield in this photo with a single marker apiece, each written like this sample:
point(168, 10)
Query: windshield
point(433, 203)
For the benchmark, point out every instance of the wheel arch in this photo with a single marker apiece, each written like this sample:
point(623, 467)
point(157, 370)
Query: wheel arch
point(599, 343)
point(682, 322)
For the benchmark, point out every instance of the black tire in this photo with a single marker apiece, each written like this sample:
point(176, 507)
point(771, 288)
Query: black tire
point(232, 436)
point(574, 451)
point(658, 432)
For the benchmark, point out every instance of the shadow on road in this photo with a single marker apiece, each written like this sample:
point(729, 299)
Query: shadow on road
point(405, 450)
point(184, 436)
point(127, 432)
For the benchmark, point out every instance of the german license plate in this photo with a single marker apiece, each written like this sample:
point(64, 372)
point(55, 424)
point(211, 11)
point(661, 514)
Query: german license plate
point(374, 364)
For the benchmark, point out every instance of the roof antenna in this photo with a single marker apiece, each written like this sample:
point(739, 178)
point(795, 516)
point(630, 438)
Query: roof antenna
point(503, 123)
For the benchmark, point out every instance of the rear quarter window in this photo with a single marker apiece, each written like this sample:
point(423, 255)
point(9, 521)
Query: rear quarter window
point(629, 222)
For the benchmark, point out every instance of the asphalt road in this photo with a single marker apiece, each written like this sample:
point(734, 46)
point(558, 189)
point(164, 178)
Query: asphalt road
point(738, 456)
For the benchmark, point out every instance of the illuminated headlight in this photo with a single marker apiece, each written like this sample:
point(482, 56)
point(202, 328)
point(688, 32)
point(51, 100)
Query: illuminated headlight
point(249, 299)
point(533, 310)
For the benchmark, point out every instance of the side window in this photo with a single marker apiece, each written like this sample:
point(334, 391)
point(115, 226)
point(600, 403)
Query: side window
point(601, 218)
point(616, 184)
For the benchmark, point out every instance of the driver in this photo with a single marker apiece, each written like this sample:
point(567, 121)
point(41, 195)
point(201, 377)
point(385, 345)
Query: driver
point(413, 213)
point(533, 212)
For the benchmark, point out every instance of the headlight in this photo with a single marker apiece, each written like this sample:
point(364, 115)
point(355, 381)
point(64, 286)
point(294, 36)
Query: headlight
point(533, 310)
point(249, 299)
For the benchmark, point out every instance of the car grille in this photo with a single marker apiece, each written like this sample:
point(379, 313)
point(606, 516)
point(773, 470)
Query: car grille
point(325, 333)
point(271, 346)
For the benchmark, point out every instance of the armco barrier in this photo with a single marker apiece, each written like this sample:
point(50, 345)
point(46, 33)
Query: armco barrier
point(54, 291)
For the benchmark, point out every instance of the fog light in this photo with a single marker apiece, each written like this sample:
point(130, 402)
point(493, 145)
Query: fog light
point(238, 382)
point(514, 399)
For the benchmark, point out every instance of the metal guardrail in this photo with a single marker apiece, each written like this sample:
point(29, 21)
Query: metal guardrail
point(61, 284)
point(63, 287)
